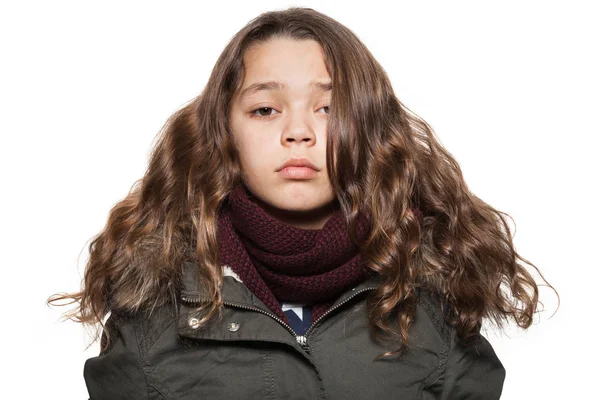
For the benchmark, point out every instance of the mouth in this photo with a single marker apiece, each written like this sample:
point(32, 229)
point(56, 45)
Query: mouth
point(298, 162)
point(298, 173)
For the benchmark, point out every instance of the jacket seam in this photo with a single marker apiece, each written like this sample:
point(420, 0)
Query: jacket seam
point(151, 381)
point(159, 388)
point(321, 385)
point(141, 355)
point(445, 366)
point(269, 375)
point(443, 329)
point(440, 370)
point(147, 345)
point(444, 332)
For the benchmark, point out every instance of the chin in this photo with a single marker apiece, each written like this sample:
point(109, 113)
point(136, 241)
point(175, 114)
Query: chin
point(301, 205)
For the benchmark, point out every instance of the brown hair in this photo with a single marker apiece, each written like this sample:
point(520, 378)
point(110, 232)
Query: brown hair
point(462, 249)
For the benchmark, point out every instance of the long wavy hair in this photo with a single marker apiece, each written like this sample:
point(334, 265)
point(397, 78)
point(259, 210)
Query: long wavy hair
point(389, 162)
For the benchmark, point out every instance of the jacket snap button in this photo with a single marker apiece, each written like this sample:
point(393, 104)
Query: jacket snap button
point(233, 326)
point(194, 323)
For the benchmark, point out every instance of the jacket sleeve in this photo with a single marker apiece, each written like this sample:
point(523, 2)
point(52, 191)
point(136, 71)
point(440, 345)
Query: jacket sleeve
point(116, 373)
point(473, 372)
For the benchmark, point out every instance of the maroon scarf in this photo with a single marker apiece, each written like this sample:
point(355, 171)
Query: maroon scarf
point(281, 263)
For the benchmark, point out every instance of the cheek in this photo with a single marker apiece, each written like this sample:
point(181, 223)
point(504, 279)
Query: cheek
point(255, 145)
point(254, 157)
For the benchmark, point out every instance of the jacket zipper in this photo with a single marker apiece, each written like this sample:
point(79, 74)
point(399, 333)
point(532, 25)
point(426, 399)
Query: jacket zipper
point(195, 300)
point(304, 338)
point(301, 339)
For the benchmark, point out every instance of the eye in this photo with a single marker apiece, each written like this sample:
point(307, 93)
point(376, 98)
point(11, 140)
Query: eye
point(260, 110)
point(265, 111)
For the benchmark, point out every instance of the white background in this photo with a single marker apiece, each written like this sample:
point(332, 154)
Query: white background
point(511, 89)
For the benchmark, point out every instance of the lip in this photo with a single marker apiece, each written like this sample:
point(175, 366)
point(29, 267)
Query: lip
point(300, 162)
point(297, 172)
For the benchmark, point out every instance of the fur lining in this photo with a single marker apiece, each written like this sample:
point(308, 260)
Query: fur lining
point(227, 271)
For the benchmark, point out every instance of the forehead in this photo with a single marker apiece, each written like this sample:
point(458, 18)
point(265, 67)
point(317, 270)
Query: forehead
point(285, 64)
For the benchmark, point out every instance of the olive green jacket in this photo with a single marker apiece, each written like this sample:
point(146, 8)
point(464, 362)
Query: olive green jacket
point(252, 354)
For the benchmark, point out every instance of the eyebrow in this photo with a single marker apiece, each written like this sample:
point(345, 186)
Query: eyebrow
point(273, 85)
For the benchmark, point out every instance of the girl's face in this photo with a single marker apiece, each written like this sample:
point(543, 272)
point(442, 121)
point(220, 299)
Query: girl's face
point(285, 118)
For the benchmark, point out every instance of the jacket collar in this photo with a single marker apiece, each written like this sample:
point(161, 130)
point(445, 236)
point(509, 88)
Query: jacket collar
point(239, 295)
point(234, 290)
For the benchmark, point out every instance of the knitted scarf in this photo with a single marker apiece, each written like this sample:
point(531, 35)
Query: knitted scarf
point(282, 263)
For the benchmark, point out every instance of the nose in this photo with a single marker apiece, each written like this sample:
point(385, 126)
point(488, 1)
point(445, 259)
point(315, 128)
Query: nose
point(298, 130)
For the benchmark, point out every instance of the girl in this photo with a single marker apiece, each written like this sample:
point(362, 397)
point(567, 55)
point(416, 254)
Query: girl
point(300, 234)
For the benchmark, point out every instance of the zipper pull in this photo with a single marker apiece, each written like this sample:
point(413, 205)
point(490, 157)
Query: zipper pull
point(303, 342)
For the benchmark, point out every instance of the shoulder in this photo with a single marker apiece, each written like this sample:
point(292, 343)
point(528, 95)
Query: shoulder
point(470, 370)
point(138, 330)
